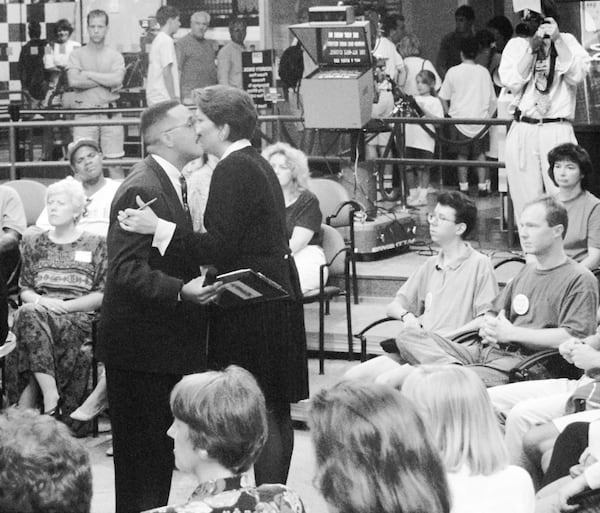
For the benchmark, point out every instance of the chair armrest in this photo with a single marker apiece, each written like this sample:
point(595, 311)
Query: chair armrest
point(466, 336)
point(383, 320)
point(515, 258)
point(356, 207)
point(523, 371)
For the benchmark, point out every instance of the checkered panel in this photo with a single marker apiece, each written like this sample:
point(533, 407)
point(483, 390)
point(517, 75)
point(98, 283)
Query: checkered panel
point(14, 15)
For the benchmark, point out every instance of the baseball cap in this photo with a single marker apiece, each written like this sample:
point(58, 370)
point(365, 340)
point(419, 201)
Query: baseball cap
point(75, 145)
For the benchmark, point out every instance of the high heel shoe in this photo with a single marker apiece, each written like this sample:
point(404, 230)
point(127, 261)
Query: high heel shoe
point(55, 412)
point(87, 412)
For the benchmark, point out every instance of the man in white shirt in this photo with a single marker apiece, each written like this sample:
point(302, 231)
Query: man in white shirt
point(543, 72)
point(163, 72)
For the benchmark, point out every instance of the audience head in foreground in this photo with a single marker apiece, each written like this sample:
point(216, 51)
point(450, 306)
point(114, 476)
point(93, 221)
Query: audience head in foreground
point(374, 453)
point(455, 405)
point(42, 467)
point(220, 423)
point(219, 430)
point(456, 408)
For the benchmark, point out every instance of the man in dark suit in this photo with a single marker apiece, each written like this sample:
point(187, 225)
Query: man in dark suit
point(152, 329)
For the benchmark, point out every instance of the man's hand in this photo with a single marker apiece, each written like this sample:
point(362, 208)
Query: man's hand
point(566, 348)
point(53, 304)
point(548, 28)
point(574, 487)
point(141, 220)
point(195, 292)
point(496, 329)
point(410, 321)
point(585, 357)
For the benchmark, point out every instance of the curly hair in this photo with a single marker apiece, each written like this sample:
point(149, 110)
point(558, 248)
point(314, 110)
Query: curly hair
point(72, 189)
point(42, 467)
point(295, 159)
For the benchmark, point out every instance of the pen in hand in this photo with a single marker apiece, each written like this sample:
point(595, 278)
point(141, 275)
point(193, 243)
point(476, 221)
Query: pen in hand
point(148, 203)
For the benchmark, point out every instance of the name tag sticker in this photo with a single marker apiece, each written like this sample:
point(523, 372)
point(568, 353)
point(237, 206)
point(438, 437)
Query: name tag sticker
point(83, 256)
point(520, 304)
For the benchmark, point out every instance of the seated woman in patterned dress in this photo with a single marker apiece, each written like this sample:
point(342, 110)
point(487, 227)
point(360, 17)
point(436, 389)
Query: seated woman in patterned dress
point(62, 280)
point(219, 430)
point(303, 216)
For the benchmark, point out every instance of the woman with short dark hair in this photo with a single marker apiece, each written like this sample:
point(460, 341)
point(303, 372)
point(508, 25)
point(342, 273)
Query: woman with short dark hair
point(570, 168)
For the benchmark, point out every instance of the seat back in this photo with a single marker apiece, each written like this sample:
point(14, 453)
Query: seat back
point(333, 244)
point(330, 195)
point(33, 197)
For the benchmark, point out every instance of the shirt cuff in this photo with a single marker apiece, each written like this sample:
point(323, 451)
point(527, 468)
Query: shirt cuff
point(592, 475)
point(163, 235)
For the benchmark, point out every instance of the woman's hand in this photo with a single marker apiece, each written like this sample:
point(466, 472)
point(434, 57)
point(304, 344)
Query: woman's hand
point(195, 291)
point(141, 220)
point(55, 305)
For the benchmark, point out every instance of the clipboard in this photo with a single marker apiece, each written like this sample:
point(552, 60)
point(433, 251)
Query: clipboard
point(246, 286)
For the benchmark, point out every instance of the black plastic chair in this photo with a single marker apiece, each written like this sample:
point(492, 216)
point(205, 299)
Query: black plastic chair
point(338, 264)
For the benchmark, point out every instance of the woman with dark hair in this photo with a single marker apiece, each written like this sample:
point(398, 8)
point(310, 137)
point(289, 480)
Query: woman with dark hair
point(219, 429)
point(246, 228)
point(374, 452)
point(570, 168)
point(55, 61)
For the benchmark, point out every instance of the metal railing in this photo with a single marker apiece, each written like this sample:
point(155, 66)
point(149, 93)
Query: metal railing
point(277, 122)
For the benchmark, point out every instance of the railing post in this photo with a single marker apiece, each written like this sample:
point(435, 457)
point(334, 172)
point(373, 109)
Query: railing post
point(12, 151)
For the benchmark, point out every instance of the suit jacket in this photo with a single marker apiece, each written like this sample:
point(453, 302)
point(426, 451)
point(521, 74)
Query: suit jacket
point(143, 327)
point(245, 221)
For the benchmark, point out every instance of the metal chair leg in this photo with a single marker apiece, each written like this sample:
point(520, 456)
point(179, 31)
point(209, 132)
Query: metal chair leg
point(321, 336)
point(348, 311)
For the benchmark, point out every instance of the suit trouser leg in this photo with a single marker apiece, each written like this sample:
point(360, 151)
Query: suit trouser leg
point(143, 453)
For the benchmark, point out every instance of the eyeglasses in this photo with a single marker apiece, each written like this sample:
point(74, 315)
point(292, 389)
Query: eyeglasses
point(190, 123)
point(438, 218)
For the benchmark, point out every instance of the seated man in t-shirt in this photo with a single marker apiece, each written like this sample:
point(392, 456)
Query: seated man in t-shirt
point(547, 303)
point(448, 291)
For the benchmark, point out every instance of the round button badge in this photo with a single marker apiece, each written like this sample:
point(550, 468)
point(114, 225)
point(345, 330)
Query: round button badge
point(520, 304)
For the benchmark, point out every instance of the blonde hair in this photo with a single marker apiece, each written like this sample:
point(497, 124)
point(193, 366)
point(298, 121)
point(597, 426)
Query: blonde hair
point(457, 408)
point(373, 452)
point(409, 46)
point(295, 159)
point(73, 190)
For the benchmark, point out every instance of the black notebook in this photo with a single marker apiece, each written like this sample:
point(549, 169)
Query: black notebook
point(246, 286)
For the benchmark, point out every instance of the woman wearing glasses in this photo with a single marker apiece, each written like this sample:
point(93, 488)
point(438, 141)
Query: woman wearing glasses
point(427, 301)
point(246, 228)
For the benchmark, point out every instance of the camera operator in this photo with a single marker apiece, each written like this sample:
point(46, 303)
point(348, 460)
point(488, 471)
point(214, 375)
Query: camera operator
point(389, 71)
point(542, 70)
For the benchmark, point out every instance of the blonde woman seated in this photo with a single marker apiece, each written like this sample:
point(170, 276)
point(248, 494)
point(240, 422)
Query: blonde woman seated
point(457, 410)
point(219, 430)
point(61, 282)
point(374, 453)
point(302, 213)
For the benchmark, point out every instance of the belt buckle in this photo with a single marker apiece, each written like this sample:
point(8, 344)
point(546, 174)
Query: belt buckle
point(540, 122)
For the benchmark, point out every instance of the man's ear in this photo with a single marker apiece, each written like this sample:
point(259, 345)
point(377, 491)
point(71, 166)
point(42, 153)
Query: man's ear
point(461, 228)
point(224, 132)
point(558, 230)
